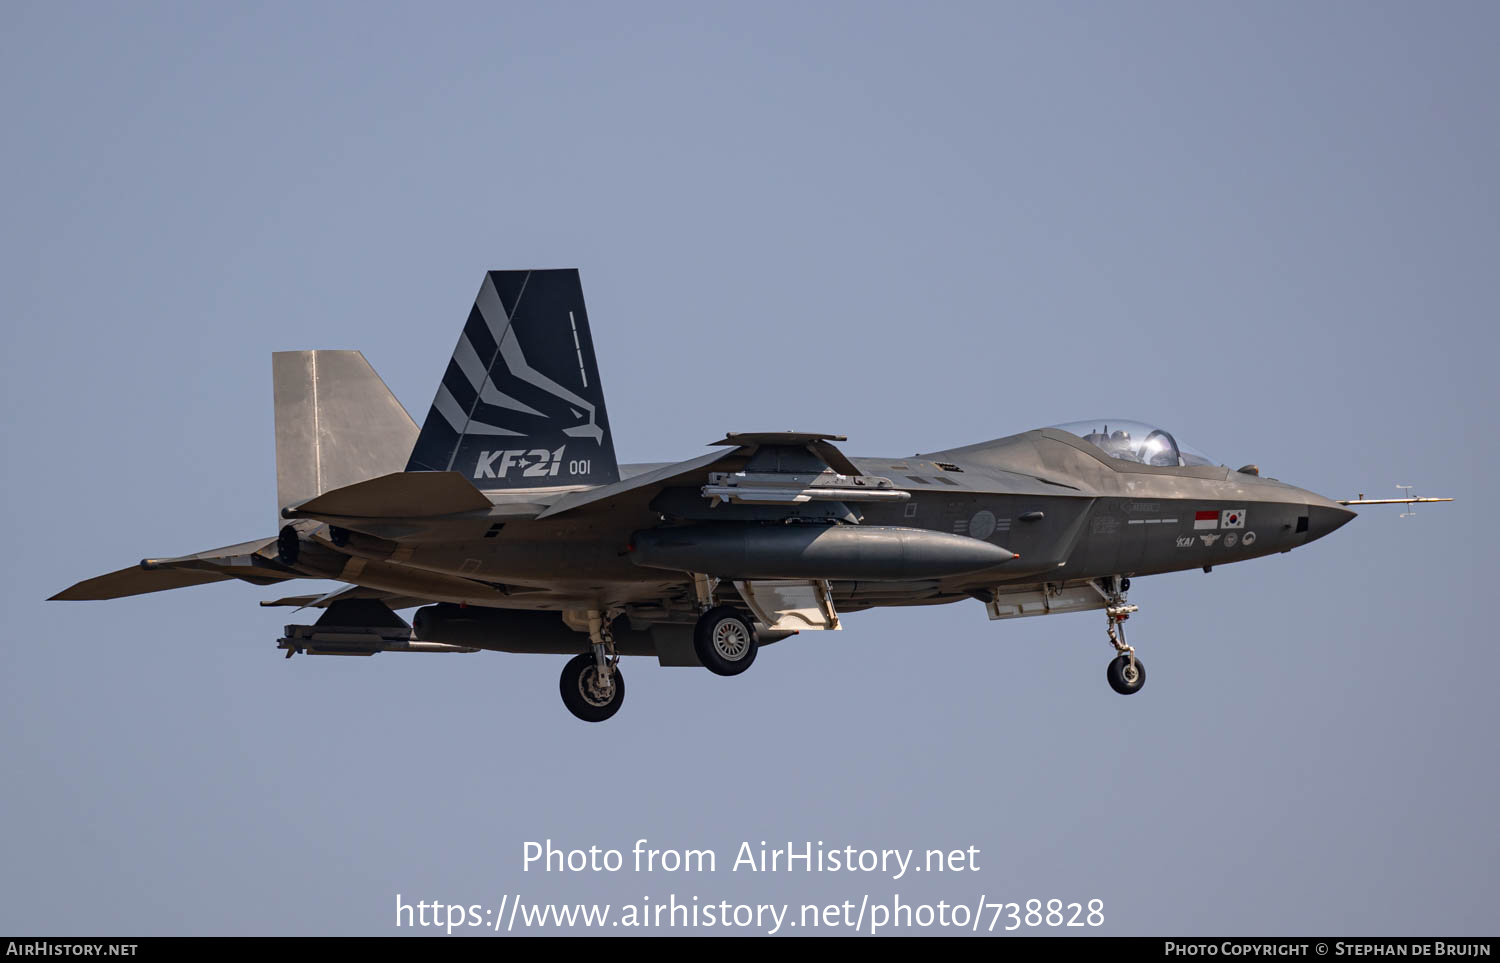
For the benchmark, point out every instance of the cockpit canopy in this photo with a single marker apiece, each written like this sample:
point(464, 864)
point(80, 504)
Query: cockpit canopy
point(1138, 442)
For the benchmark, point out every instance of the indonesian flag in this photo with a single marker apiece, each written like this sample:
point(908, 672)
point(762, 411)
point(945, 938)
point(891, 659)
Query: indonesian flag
point(1234, 518)
point(1204, 520)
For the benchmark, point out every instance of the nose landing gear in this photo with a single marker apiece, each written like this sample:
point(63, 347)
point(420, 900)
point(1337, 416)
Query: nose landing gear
point(1126, 673)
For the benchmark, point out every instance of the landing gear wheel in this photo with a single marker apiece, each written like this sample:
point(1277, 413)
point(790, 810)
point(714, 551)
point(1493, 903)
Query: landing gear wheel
point(583, 694)
point(1124, 677)
point(725, 641)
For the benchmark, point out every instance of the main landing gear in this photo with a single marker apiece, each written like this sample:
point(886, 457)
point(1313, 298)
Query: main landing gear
point(1126, 673)
point(724, 638)
point(725, 641)
point(592, 685)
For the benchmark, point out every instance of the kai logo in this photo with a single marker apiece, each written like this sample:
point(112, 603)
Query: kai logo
point(535, 463)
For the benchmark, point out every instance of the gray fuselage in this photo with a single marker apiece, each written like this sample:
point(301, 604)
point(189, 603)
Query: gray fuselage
point(1067, 510)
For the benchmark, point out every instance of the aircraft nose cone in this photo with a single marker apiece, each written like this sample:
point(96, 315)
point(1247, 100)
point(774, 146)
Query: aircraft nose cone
point(1323, 519)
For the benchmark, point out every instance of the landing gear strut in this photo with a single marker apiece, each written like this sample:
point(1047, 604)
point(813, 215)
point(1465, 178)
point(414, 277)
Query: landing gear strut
point(1126, 673)
point(592, 685)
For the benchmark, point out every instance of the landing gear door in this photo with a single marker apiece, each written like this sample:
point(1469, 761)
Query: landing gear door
point(791, 606)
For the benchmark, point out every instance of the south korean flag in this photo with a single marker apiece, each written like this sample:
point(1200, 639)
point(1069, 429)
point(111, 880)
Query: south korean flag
point(1234, 518)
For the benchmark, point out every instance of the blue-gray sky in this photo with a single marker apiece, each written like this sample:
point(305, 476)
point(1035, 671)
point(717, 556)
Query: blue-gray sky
point(1271, 227)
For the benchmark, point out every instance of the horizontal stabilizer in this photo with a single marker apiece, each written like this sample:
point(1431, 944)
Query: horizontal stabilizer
point(248, 561)
point(244, 558)
point(416, 494)
point(135, 581)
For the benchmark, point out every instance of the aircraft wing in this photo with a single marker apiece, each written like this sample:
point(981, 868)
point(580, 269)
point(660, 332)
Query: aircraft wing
point(636, 485)
point(817, 444)
point(745, 447)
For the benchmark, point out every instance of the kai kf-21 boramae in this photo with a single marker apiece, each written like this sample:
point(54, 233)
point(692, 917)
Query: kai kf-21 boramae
point(508, 520)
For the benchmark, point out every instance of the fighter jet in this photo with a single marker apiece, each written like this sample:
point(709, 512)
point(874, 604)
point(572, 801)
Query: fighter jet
point(508, 520)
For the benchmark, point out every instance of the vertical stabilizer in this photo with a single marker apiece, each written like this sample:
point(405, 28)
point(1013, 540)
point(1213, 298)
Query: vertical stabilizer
point(520, 404)
point(336, 424)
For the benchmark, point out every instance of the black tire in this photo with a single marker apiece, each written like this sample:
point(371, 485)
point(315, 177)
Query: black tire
point(576, 675)
point(1121, 679)
point(725, 640)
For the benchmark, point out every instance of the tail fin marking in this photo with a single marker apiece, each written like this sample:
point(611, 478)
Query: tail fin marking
point(524, 368)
